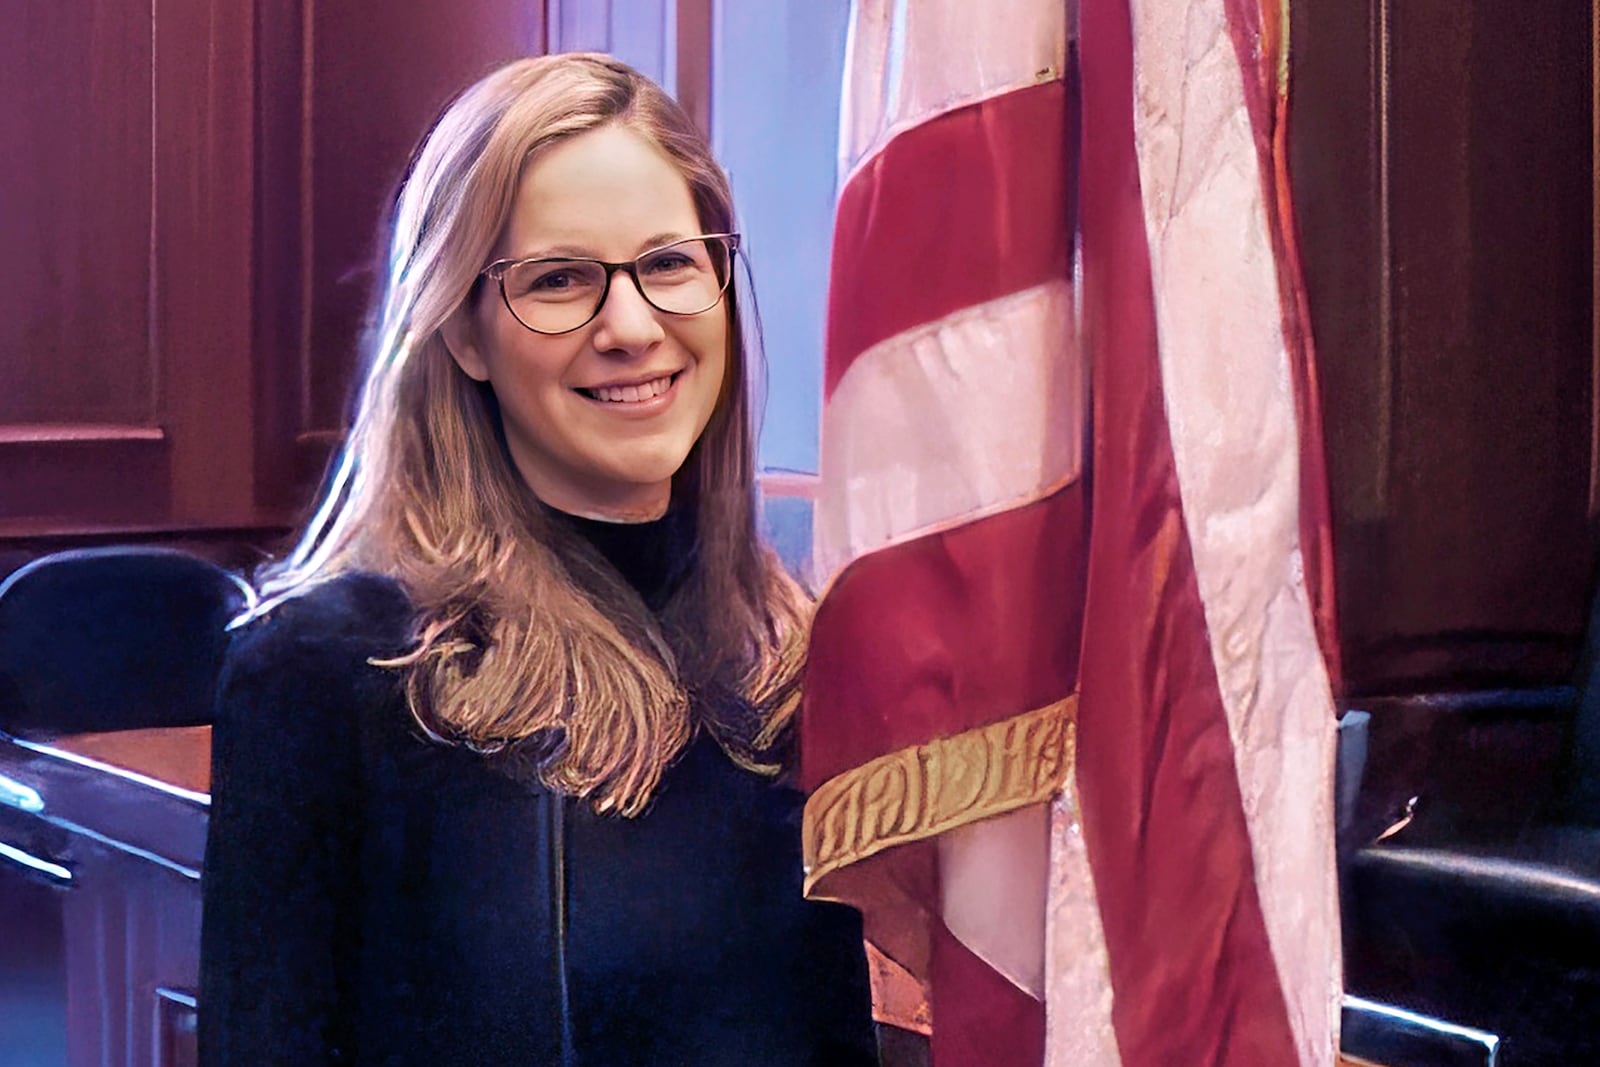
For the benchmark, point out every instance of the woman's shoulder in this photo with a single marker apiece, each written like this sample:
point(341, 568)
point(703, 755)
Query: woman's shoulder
point(356, 608)
point(324, 636)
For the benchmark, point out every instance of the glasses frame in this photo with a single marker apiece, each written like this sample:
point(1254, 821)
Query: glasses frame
point(497, 271)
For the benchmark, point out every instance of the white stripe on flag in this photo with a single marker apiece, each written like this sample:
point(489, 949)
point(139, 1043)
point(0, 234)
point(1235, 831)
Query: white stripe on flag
point(1078, 1026)
point(955, 419)
point(907, 62)
point(1230, 407)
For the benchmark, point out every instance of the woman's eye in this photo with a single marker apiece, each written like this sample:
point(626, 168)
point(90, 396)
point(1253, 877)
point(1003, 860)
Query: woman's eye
point(555, 282)
point(552, 280)
point(669, 263)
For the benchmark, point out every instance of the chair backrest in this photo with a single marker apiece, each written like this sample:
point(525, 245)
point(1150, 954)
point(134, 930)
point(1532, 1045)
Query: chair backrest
point(113, 638)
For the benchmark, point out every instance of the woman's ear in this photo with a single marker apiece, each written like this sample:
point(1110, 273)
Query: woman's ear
point(460, 334)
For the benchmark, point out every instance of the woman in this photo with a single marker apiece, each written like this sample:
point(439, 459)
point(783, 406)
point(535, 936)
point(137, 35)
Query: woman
point(493, 756)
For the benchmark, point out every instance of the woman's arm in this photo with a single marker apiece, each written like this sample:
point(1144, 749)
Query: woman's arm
point(281, 894)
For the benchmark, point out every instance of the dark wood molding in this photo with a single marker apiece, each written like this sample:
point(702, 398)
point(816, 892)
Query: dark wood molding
point(204, 86)
point(24, 434)
point(283, 252)
point(695, 61)
point(134, 170)
point(1594, 288)
point(66, 482)
point(1383, 393)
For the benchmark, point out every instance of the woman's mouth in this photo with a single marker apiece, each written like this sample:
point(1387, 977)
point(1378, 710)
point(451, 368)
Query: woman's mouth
point(632, 394)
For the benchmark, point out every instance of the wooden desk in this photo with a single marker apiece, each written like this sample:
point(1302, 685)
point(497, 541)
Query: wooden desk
point(101, 889)
point(179, 756)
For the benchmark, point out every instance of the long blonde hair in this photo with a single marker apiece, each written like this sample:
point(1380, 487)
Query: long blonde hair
point(527, 641)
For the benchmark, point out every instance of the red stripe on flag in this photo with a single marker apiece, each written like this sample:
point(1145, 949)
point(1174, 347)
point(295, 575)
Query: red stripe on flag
point(1255, 45)
point(980, 1018)
point(945, 633)
point(965, 208)
point(1192, 971)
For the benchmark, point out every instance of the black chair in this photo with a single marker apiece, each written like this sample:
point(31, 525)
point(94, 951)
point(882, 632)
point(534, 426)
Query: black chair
point(1489, 922)
point(111, 639)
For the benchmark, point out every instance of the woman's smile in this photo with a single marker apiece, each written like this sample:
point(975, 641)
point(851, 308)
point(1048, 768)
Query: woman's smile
point(634, 396)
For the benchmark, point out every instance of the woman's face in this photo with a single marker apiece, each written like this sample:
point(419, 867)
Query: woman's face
point(584, 430)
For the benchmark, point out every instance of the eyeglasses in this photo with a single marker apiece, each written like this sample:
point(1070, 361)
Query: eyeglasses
point(553, 296)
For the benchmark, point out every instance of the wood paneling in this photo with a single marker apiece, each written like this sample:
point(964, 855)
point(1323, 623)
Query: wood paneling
point(1442, 158)
point(194, 199)
point(75, 284)
point(693, 75)
point(81, 476)
point(123, 923)
point(193, 203)
point(203, 87)
point(124, 279)
point(132, 928)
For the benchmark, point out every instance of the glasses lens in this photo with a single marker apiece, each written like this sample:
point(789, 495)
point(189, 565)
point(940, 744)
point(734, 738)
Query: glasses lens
point(554, 295)
point(687, 277)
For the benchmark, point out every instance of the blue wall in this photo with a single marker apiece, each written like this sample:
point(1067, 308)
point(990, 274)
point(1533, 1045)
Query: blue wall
point(775, 122)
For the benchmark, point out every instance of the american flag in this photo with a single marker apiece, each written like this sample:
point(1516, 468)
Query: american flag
point(1072, 526)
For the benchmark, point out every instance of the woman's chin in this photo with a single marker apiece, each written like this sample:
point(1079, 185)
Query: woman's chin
point(646, 468)
point(636, 488)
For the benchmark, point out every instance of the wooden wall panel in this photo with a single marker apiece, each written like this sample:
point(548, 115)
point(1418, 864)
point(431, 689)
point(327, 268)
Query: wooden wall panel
point(124, 275)
point(75, 282)
point(192, 207)
point(281, 218)
point(203, 89)
point(1338, 155)
point(1492, 251)
point(1442, 159)
point(76, 477)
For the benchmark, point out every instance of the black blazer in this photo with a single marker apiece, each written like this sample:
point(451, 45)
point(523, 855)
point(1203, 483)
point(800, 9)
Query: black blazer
point(372, 897)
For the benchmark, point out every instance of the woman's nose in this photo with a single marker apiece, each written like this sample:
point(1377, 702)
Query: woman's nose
point(626, 320)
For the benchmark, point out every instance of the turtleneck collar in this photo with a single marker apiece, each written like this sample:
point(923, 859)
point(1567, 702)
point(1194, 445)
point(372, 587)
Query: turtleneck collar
point(653, 557)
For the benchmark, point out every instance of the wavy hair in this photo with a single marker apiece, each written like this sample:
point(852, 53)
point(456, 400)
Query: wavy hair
point(527, 642)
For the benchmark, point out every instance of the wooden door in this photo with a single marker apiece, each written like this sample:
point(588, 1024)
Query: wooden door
point(1442, 154)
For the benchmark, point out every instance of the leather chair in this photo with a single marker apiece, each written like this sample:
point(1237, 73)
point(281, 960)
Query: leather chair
point(113, 638)
point(1489, 921)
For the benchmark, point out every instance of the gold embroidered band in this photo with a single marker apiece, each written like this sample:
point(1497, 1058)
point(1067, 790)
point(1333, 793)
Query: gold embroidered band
point(924, 790)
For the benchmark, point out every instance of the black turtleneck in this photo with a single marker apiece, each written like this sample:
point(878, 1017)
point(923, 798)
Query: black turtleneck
point(653, 557)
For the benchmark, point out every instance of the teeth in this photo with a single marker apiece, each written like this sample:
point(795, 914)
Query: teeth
point(632, 394)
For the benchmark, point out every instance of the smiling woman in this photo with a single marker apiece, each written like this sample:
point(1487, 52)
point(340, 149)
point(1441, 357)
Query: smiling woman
point(602, 389)
point(494, 754)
